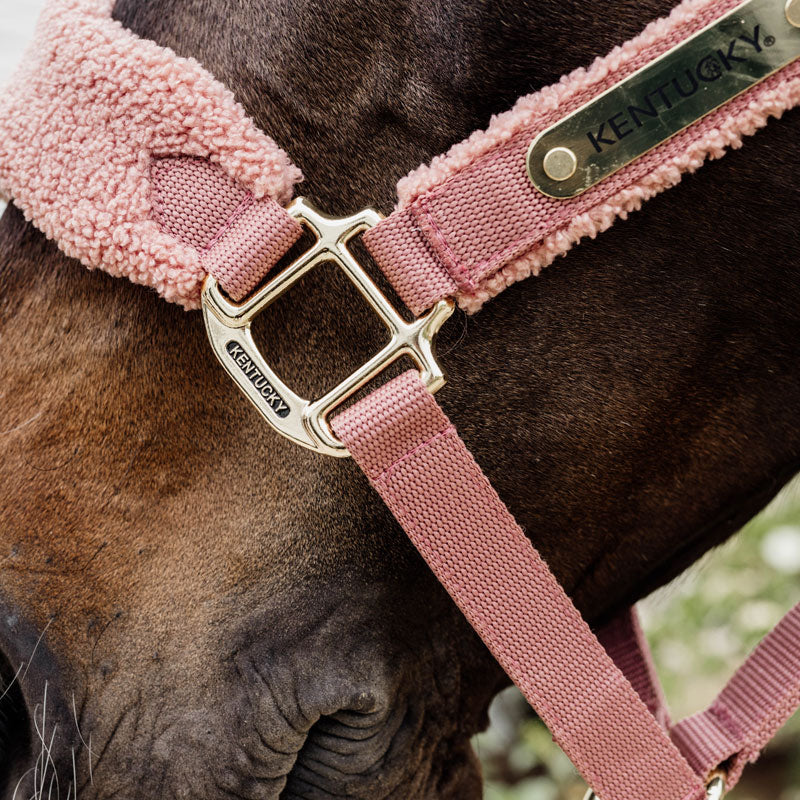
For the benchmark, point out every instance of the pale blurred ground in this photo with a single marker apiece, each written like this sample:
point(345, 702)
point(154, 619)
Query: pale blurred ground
point(701, 626)
point(17, 18)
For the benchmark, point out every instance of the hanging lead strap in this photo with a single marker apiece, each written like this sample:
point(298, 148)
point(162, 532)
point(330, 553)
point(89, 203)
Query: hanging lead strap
point(415, 459)
point(610, 718)
point(756, 702)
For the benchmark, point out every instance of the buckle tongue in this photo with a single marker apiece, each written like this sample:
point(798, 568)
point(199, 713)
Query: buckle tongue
point(228, 326)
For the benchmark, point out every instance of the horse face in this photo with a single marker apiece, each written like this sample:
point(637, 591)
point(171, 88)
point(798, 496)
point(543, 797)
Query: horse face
point(213, 611)
point(220, 612)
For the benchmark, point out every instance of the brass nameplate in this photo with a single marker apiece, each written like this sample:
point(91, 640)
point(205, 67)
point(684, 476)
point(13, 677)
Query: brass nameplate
point(661, 99)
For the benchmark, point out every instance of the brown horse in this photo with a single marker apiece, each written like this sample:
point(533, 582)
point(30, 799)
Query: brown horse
point(196, 608)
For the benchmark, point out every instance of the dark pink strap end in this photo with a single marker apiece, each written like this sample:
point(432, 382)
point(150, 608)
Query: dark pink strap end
point(240, 239)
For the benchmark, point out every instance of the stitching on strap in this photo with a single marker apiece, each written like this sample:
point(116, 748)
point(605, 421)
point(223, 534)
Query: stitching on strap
point(726, 720)
point(385, 472)
point(247, 201)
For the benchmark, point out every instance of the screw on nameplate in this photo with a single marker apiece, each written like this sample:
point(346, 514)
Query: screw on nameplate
point(691, 80)
point(793, 12)
point(560, 163)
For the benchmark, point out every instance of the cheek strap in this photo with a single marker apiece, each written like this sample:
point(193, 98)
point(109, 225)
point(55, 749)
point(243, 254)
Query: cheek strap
point(473, 222)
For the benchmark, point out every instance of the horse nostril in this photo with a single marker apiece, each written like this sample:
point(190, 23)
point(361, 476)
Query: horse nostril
point(346, 753)
point(15, 733)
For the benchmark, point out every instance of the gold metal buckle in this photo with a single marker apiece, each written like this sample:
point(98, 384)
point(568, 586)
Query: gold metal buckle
point(715, 788)
point(305, 421)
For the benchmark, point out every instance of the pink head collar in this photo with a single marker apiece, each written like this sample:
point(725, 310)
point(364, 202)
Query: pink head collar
point(140, 163)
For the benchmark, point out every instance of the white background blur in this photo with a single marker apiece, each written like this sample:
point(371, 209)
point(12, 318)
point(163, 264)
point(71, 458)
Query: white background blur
point(17, 19)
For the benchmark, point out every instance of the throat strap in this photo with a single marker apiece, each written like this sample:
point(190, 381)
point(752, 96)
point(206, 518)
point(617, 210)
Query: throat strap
point(757, 701)
point(600, 697)
point(624, 641)
point(759, 698)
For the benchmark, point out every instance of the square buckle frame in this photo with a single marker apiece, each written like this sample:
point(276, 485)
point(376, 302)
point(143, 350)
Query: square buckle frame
point(228, 326)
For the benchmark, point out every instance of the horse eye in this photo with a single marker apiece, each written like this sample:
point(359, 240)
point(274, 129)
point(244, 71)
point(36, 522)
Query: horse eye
point(15, 741)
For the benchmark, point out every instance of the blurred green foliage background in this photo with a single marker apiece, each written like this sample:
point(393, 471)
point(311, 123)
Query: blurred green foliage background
point(701, 628)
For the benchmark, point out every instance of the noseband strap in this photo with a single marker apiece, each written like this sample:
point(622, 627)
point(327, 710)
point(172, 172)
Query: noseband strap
point(140, 163)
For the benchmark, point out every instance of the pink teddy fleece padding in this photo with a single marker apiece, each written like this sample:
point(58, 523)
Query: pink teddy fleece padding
point(89, 108)
point(543, 108)
point(93, 108)
point(471, 223)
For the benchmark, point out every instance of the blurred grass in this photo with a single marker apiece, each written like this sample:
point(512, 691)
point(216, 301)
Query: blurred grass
point(701, 628)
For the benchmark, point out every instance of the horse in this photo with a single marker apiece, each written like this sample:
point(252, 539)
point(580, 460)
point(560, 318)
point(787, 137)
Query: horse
point(194, 607)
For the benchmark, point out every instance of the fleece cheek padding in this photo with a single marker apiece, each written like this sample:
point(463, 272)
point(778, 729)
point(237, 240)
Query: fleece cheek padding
point(471, 223)
point(80, 123)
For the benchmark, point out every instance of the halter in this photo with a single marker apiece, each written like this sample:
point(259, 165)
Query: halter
point(140, 163)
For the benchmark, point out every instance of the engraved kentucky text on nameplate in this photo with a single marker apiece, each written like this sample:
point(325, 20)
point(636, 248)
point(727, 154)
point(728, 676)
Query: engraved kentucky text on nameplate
point(661, 99)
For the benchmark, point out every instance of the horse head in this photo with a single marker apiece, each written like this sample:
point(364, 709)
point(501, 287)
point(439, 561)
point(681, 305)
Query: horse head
point(194, 607)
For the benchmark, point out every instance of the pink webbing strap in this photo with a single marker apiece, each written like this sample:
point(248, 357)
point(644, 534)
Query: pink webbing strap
point(472, 222)
point(415, 459)
point(239, 238)
point(625, 643)
point(757, 701)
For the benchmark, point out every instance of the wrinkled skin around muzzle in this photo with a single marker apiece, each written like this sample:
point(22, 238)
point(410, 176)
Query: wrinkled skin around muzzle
point(325, 690)
point(291, 702)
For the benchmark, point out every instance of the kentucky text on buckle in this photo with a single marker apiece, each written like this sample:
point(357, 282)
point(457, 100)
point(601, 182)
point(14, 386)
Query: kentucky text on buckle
point(685, 84)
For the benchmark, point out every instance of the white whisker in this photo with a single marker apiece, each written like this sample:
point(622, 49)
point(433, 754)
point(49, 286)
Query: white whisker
point(12, 681)
point(22, 424)
point(19, 782)
point(74, 774)
point(44, 761)
point(83, 742)
point(49, 760)
point(36, 647)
